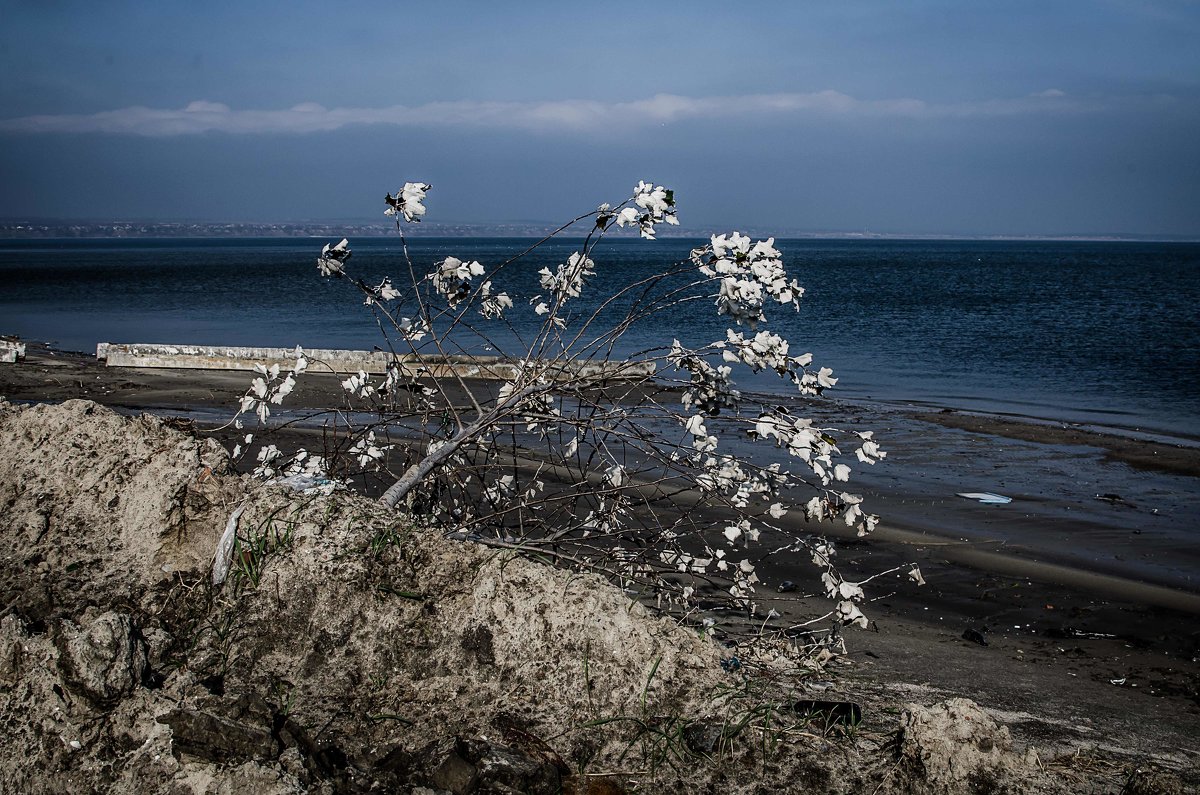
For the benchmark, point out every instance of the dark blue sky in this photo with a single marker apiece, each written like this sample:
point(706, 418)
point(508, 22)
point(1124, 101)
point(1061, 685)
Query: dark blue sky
point(916, 117)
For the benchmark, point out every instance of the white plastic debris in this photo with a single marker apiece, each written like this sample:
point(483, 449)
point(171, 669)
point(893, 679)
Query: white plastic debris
point(307, 484)
point(224, 555)
point(986, 497)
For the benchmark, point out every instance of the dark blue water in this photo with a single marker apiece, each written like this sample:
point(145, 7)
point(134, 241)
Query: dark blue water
point(1106, 333)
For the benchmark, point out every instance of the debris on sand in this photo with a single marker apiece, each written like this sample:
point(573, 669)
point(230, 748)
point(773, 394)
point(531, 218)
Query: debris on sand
point(985, 497)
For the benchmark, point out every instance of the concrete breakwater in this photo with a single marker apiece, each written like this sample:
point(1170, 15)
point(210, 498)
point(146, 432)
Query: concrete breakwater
point(224, 357)
point(11, 351)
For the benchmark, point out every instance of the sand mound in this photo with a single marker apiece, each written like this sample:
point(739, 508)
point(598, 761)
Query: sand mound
point(349, 650)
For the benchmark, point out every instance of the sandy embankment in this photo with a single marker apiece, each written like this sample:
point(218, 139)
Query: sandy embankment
point(1048, 677)
point(347, 652)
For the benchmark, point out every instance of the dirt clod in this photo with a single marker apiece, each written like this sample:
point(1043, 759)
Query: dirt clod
point(102, 661)
point(956, 746)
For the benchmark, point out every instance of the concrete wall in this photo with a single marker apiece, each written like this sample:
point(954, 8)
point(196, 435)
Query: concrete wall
point(11, 351)
point(218, 357)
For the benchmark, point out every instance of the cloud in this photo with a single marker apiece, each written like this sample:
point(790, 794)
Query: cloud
point(203, 116)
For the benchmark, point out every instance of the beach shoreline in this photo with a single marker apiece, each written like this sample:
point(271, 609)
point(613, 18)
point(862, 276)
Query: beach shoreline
point(209, 398)
point(1058, 634)
point(1151, 452)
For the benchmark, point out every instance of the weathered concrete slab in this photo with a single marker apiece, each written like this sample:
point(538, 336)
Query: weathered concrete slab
point(222, 357)
point(11, 351)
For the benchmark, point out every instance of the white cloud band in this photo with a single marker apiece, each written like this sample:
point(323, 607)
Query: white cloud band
point(569, 115)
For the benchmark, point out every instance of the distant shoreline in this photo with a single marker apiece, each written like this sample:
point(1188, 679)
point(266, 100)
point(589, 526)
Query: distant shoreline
point(17, 230)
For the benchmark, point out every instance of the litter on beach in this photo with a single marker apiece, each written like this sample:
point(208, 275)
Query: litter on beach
point(986, 497)
point(224, 554)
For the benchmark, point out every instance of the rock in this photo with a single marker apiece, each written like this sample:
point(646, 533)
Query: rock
point(104, 660)
point(12, 639)
point(224, 730)
point(704, 737)
point(975, 636)
point(470, 765)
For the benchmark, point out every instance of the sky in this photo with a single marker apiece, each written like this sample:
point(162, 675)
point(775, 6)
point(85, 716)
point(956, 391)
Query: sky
point(921, 117)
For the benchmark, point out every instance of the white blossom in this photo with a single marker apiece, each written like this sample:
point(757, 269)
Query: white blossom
point(284, 389)
point(384, 291)
point(628, 217)
point(366, 451)
point(870, 451)
point(657, 205)
point(412, 330)
point(267, 388)
point(568, 279)
point(538, 411)
point(500, 490)
point(359, 385)
point(267, 455)
point(493, 304)
point(332, 261)
point(701, 440)
point(710, 389)
point(811, 445)
point(750, 275)
point(851, 511)
point(407, 201)
point(822, 553)
point(614, 476)
point(836, 587)
point(849, 613)
point(452, 279)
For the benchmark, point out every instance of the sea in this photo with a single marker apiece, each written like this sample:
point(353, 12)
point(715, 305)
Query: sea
point(1097, 333)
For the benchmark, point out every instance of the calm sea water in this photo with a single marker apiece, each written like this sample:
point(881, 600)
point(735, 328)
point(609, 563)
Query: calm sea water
point(1105, 333)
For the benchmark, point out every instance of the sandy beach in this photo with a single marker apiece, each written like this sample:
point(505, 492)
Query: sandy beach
point(1074, 611)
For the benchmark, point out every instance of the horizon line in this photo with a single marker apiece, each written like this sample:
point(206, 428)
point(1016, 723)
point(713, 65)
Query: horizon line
point(533, 229)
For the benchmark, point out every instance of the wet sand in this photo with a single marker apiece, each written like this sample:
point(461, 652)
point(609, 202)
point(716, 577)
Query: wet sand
point(1062, 620)
point(1142, 452)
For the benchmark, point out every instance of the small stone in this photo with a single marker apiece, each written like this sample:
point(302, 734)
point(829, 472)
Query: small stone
point(104, 660)
point(224, 730)
point(472, 765)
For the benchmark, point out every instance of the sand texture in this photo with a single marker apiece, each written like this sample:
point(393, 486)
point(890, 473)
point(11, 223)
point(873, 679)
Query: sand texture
point(351, 651)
